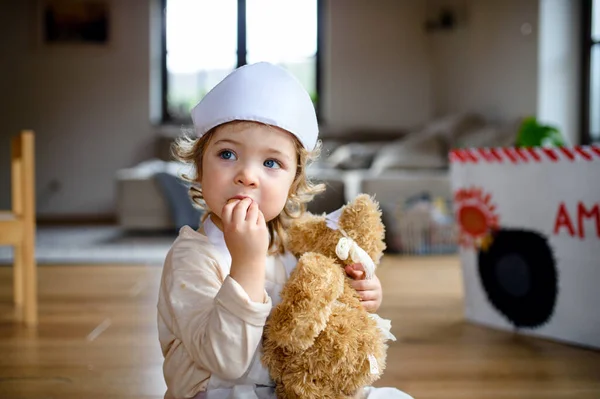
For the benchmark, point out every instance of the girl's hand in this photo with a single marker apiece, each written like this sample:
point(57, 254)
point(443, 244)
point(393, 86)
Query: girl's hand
point(370, 291)
point(247, 239)
point(245, 231)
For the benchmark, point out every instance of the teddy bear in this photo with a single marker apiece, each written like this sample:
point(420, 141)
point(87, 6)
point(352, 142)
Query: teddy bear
point(319, 341)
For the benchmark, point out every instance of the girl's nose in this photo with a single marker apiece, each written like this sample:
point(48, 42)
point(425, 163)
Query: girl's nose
point(247, 176)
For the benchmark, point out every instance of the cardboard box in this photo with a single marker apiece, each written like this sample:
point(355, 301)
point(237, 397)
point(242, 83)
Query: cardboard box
point(529, 232)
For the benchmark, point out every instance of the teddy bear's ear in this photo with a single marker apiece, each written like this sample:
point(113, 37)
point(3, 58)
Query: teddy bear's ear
point(361, 219)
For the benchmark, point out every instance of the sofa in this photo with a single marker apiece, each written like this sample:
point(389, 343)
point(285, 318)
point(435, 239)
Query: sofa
point(393, 165)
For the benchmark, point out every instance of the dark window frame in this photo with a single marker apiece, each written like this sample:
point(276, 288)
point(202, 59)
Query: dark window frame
point(168, 119)
point(587, 45)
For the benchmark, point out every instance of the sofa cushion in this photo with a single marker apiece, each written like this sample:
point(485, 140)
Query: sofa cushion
point(330, 200)
point(349, 135)
point(488, 136)
point(414, 152)
point(176, 193)
point(354, 155)
point(393, 187)
point(451, 126)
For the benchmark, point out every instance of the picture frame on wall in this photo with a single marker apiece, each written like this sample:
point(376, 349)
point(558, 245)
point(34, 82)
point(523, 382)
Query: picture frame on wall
point(74, 23)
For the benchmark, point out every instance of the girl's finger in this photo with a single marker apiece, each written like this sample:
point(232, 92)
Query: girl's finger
point(252, 214)
point(358, 266)
point(369, 306)
point(368, 295)
point(361, 285)
point(352, 272)
point(240, 210)
point(227, 211)
point(358, 274)
point(260, 220)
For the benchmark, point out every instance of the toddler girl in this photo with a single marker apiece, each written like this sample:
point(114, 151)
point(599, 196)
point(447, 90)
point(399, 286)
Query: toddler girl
point(254, 135)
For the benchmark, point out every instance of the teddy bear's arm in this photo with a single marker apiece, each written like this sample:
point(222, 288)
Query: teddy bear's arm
point(307, 298)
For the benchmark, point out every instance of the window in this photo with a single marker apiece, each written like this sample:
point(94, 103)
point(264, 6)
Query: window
point(204, 40)
point(591, 73)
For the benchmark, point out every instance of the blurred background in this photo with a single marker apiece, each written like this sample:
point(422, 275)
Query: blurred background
point(375, 70)
point(107, 85)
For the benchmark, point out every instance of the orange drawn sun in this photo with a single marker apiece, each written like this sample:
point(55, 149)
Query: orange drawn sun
point(475, 217)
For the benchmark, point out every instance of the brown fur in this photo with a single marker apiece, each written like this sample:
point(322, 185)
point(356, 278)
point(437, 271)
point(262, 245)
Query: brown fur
point(317, 339)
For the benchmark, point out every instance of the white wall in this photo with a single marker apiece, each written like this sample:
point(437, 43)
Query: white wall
point(378, 67)
point(488, 64)
point(560, 67)
point(88, 107)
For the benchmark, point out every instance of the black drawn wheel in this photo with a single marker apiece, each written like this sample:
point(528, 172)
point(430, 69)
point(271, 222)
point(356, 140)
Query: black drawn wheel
point(518, 273)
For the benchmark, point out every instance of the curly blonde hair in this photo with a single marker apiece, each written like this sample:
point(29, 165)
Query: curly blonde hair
point(190, 150)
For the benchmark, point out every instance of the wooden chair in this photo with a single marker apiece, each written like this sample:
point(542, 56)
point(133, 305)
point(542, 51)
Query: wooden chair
point(17, 226)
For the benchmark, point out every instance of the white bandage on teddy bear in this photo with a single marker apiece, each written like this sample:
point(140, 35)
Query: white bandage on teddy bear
point(347, 247)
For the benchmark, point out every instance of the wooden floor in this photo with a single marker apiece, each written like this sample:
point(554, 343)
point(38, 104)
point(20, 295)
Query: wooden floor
point(97, 339)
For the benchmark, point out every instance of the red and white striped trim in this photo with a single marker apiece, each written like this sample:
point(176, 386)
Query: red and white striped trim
point(525, 155)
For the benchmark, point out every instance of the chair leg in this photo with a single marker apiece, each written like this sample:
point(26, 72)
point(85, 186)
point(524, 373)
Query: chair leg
point(18, 276)
point(30, 305)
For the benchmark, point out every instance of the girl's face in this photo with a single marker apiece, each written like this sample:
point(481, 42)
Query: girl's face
point(247, 159)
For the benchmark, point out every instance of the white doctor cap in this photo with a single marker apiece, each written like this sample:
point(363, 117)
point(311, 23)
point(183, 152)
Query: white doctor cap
point(260, 92)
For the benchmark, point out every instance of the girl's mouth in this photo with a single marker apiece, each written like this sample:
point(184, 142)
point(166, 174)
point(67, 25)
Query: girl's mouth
point(237, 198)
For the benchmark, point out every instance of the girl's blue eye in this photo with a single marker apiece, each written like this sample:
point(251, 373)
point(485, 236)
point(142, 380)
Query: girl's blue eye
point(226, 154)
point(271, 163)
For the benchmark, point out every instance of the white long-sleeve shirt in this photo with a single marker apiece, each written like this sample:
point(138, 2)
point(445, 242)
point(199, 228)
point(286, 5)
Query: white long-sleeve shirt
point(206, 321)
point(210, 330)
